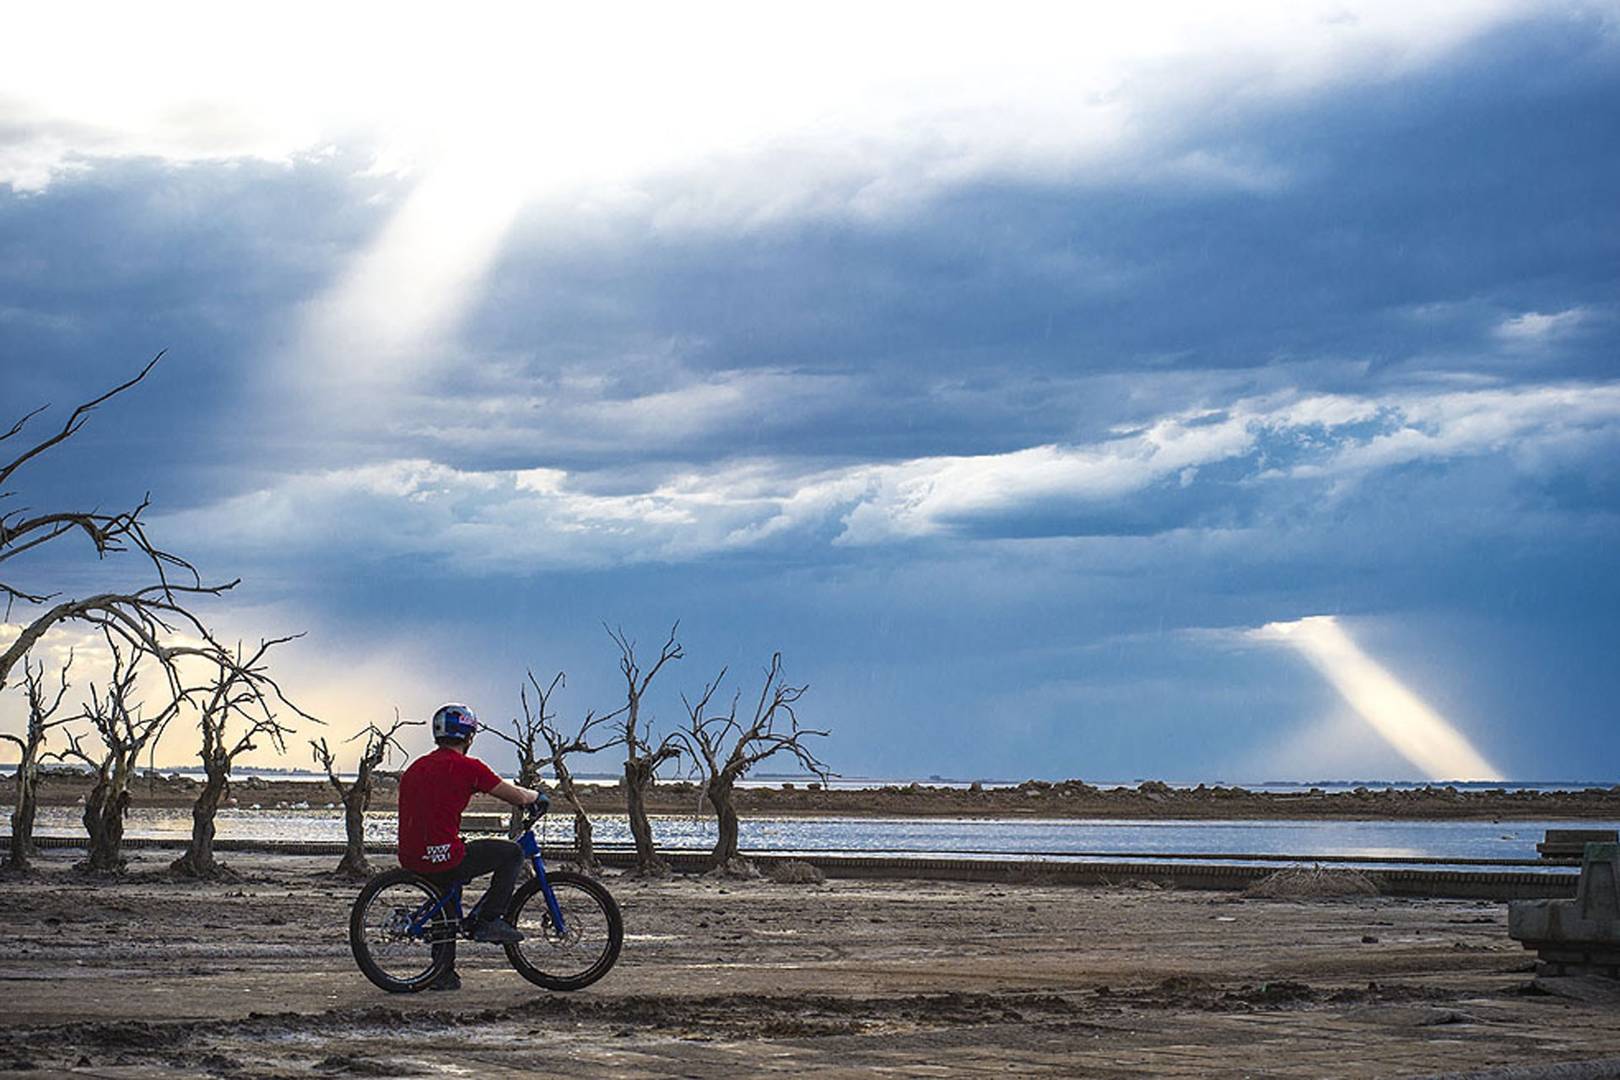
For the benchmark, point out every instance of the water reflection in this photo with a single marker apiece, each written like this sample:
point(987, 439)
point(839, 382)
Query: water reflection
point(1372, 840)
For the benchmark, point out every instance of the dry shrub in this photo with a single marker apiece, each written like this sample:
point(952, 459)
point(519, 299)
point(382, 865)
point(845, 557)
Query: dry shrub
point(1302, 882)
point(738, 869)
point(795, 872)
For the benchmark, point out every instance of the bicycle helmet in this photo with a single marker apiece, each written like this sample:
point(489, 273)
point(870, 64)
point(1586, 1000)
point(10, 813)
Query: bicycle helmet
point(454, 721)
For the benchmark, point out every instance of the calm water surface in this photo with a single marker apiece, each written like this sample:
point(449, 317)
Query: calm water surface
point(983, 837)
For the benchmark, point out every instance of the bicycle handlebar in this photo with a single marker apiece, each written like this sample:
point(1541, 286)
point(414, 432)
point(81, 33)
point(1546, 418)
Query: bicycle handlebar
point(536, 810)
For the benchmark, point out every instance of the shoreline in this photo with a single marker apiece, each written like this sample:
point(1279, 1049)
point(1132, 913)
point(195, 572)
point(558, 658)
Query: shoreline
point(1034, 799)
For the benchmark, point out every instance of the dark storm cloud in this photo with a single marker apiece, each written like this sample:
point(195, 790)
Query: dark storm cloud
point(1408, 222)
point(781, 431)
point(120, 260)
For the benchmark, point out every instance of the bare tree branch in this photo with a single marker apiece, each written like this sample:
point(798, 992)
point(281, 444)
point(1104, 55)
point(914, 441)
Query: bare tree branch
point(142, 619)
point(124, 731)
point(43, 710)
point(641, 758)
point(74, 422)
point(22, 423)
point(727, 748)
point(538, 726)
point(241, 695)
point(356, 796)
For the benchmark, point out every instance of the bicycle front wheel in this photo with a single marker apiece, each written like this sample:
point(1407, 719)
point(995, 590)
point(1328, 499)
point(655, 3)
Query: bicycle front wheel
point(587, 946)
point(390, 943)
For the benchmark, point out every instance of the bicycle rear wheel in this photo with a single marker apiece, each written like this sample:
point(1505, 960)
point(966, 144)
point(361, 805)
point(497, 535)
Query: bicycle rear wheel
point(389, 952)
point(588, 947)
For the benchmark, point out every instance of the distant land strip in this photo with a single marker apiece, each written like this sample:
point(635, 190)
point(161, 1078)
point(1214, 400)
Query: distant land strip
point(1031, 799)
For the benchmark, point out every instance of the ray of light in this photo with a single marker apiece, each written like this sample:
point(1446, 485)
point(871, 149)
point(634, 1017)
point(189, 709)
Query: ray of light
point(1419, 733)
point(405, 291)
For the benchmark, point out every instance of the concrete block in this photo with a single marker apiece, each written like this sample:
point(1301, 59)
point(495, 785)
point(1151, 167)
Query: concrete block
point(1579, 935)
point(1571, 843)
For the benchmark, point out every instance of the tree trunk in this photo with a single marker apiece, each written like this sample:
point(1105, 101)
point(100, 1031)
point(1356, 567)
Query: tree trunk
point(725, 847)
point(355, 803)
point(583, 845)
point(637, 778)
point(529, 777)
point(584, 848)
point(198, 860)
point(22, 816)
point(104, 821)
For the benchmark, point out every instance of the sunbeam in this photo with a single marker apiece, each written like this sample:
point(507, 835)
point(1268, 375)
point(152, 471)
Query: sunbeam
point(410, 286)
point(1419, 733)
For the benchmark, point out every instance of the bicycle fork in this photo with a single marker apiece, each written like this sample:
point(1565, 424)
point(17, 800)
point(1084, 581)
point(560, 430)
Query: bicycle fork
point(531, 848)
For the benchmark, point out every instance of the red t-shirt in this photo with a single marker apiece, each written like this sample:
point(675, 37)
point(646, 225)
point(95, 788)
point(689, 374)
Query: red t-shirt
point(432, 794)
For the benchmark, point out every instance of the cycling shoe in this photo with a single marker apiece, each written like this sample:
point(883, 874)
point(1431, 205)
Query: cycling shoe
point(497, 932)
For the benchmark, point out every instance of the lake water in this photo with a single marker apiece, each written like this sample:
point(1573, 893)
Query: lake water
point(1369, 841)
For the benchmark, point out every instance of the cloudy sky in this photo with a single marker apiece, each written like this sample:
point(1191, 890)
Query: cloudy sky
point(1064, 391)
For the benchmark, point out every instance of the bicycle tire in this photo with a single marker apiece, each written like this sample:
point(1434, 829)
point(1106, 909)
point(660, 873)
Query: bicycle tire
point(439, 956)
point(540, 954)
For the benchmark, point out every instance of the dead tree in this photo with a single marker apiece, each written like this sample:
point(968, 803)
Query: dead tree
point(726, 747)
point(642, 758)
point(118, 721)
point(356, 794)
point(235, 714)
point(527, 736)
point(43, 709)
point(144, 617)
point(538, 727)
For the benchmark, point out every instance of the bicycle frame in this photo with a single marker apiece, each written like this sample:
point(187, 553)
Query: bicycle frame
point(452, 896)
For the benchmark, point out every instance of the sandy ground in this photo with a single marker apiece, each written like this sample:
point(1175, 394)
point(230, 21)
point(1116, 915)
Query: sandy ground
point(147, 977)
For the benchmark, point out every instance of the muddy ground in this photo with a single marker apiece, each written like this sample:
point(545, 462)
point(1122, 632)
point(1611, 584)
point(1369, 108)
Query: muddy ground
point(148, 977)
point(1037, 798)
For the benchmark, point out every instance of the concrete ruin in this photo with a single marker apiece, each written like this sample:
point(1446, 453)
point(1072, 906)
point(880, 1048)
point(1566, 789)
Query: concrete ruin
point(1570, 844)
point(1579, 936)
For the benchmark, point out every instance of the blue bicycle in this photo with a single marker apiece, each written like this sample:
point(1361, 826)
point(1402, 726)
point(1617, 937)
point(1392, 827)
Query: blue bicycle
point(403, 928)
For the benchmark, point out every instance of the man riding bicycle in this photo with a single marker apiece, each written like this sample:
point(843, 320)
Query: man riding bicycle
point(433, 792)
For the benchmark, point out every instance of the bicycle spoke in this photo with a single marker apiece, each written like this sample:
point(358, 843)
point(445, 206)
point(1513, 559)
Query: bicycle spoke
point(395, 935)
point(585, 947)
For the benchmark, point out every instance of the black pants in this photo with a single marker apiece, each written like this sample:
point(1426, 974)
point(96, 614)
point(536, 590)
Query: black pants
point(503, 857)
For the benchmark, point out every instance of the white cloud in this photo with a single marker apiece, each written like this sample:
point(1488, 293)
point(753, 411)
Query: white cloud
point(1447, 426)
point(701, 116)
point(515, 519)
point(663, 408)
point(926, 496)
point(1535, 328)
point(866, 106)
point(537, 517)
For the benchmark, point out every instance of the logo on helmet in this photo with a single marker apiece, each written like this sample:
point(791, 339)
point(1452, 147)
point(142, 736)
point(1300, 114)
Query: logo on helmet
point(454, 721)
